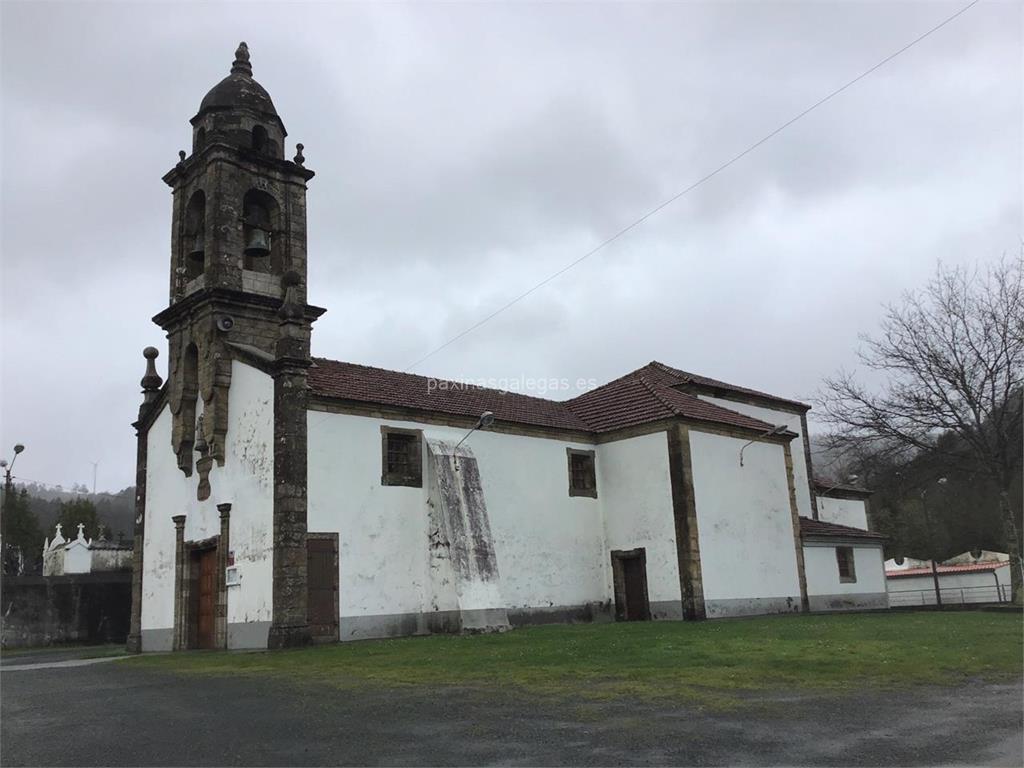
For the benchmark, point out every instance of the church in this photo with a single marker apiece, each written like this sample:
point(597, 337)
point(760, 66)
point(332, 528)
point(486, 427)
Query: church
point(284, 499)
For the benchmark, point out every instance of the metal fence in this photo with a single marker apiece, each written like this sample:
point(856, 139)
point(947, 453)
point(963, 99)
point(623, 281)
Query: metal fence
point(952, 595)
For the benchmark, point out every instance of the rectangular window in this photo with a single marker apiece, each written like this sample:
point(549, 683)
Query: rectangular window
point(844, 559)
point(582, 475)
point(401, 457)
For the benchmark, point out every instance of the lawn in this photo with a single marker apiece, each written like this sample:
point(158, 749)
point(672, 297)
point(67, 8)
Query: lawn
point(725, 660)
point(72, 650)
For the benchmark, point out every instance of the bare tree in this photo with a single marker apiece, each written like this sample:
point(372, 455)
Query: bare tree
point(952, 358)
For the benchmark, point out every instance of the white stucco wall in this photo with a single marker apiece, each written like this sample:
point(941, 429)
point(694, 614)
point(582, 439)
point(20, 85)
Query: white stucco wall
point(549, 546)
point(245, 481)
point(635, 492)
point(793, 422)
point(167, 494)
point(852, 512)
point(822, 571)
point(745, 525)
point(77, 557)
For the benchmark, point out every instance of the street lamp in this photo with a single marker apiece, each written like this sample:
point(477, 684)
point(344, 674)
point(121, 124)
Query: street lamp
point(18, 448)
point(931, 539)
point(851, 479)
point(770, 433)
point(485, 420)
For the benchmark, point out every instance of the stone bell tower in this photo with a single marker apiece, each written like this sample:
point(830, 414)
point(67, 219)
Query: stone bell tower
point(238, 291)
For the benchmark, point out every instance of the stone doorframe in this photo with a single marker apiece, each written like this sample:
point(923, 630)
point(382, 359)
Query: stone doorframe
point(184, 636)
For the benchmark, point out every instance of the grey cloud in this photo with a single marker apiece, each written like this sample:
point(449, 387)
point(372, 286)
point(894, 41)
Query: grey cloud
point(466, 151)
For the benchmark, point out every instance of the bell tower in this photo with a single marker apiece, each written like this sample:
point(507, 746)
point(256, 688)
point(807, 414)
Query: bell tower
point(238, 292)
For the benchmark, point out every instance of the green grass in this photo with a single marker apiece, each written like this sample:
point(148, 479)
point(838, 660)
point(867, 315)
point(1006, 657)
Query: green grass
point(713, 661)
point(78, 651)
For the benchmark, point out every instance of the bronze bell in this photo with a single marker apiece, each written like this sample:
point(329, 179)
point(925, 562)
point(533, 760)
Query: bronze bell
point(198, 247)
point(257, 244)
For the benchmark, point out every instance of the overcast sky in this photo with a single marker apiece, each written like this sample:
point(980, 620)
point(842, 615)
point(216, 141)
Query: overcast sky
point(464, 152)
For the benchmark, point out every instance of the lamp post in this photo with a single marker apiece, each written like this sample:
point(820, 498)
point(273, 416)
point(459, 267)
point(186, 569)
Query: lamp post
point(931, 540)
point(8, 489)
point(18, 448)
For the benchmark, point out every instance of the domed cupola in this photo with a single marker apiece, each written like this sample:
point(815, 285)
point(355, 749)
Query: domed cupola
point(238, 111)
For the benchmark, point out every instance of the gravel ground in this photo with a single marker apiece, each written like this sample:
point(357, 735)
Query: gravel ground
point(114, 714)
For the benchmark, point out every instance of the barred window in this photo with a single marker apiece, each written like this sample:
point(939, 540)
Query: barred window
point(401, 457)
point(582, 473)
point(844, 559)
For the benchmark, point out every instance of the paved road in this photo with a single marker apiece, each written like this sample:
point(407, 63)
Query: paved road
point(115, 714)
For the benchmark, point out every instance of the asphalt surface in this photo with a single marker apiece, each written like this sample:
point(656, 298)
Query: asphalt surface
point(111, 713)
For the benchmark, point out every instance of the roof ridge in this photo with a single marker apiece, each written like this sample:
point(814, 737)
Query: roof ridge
point(659, 398)
point(636, 372)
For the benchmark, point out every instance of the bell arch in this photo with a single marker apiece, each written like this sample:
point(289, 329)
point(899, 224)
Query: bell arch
point(264, 250)
point(195, 235)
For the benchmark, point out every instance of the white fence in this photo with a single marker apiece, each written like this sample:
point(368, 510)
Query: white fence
point(951, 595)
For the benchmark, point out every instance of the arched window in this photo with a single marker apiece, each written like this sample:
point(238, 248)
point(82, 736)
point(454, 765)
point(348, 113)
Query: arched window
point(259, 139)
point(200, 139)
point(261, 224)
point(195, 235)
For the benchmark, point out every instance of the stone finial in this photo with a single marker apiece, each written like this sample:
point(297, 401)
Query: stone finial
point(151, 381)
point(241, 65)
point(299, 158)
point(181, 156)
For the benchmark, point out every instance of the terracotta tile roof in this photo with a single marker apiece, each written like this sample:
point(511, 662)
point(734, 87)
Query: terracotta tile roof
point(809, 527)
point(970, 568)
point(640, 397)
point(685, 377)
point(377, 386)
point(646, 395)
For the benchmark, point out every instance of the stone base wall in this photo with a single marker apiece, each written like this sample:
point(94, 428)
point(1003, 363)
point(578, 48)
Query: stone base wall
point(752, 606)
point(76, 608)
point(851, 602)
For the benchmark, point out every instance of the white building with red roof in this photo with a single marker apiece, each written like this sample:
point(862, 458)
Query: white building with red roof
point(970, 577)
point(284, 498)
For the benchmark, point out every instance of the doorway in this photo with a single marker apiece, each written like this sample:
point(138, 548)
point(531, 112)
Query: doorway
point(629, 577)
point(322, 605)
point(203, 593)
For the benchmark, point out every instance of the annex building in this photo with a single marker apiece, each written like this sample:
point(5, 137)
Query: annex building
point(284, 498)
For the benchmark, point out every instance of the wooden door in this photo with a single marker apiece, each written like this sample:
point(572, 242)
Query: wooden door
point(635, 578)
point(206, 604)
point(322, 584)
point(629, 573)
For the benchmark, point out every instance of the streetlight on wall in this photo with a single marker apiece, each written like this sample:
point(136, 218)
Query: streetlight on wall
point(770, 433)
point(485, 420)
point(851, 479)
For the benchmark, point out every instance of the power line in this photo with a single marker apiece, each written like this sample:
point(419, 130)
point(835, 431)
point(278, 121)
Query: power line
point(695, 184)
